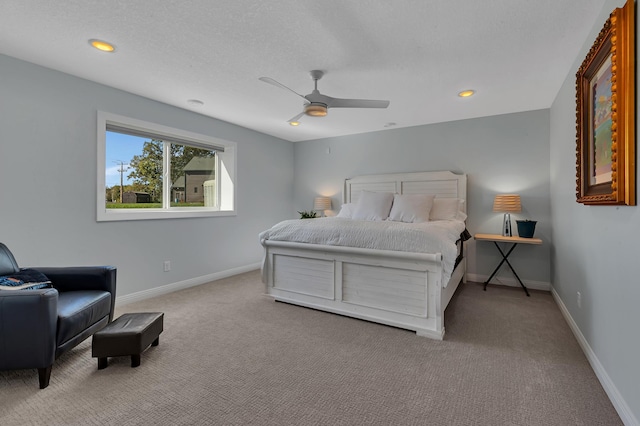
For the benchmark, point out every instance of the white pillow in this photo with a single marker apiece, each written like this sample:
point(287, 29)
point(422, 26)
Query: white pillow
point(411, 208)
point(447, 209)
point(347, 210)
point(373, 205)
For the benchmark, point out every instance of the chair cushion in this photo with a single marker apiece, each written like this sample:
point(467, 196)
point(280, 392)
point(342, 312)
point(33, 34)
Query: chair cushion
point(78, 310)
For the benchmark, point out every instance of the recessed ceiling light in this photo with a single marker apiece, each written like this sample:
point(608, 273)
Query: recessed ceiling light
point(195, 102)
point(466, 93)
point(102, 45)
point(294, 123)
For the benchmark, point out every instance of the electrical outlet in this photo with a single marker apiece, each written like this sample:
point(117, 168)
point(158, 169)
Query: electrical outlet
point(167, 265)
point(579, 300)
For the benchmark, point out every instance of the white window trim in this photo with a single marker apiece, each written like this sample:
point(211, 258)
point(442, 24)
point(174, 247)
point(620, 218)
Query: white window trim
point(226, 167)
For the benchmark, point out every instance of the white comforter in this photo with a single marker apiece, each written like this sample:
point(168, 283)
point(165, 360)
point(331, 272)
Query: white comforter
point(427, 237)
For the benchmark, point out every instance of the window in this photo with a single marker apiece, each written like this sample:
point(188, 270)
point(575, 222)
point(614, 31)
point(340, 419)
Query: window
point(150, 171)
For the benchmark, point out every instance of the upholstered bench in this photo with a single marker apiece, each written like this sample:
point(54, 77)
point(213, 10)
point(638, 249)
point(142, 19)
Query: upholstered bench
point(130, 334)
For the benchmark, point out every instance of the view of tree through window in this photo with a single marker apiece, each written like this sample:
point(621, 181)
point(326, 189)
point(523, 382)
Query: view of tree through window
point(135, 169)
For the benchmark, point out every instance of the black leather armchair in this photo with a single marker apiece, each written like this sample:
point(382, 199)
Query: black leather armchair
point(37, 326)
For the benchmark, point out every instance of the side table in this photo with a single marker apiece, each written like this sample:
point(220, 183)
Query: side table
point(514, 241)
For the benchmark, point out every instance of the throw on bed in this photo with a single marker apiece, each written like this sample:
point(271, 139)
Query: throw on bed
point(425, 237)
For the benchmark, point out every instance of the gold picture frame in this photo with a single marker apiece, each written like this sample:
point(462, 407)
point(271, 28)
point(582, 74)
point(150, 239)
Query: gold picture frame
point(605, 107)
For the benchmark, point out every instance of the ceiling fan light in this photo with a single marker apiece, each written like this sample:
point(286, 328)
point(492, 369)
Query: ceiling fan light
point(316, 110)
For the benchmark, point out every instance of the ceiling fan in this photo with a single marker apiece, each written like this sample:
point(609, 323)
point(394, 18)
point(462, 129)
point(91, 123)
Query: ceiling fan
point(316, 104)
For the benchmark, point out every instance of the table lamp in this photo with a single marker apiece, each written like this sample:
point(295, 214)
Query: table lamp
point(507, 204)
point(322, 203)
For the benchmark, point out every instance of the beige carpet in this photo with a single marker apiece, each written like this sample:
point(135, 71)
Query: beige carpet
point(230, 356)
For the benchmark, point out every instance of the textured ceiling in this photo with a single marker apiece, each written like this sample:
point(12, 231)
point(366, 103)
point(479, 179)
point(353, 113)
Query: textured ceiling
point(416, 53)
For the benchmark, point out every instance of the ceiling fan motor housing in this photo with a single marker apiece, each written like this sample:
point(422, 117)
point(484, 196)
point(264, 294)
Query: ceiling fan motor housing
point(316, 109)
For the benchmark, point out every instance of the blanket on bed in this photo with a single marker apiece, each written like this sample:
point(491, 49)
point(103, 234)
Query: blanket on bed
point(426, 237)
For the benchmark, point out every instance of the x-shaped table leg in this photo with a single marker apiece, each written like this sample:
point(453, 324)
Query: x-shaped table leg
point(504, 259)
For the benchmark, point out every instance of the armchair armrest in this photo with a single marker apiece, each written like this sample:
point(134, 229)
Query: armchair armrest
point(28, 321)
point(83, 278)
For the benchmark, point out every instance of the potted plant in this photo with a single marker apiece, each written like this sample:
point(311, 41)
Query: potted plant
point(526, 228)
point(307, 214)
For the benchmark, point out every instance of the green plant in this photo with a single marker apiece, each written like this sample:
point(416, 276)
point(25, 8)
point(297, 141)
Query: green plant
point(307, 214)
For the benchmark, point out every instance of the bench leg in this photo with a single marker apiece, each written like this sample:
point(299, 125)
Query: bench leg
point(135, 360)
point(102, 363)
point(156, 342)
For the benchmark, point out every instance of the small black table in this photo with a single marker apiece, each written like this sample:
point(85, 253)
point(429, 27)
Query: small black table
point(495, 238)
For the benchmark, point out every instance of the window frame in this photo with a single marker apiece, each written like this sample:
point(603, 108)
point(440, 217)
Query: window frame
point(225, 168)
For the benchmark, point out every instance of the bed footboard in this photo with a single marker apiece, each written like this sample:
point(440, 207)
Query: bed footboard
point(394, 288)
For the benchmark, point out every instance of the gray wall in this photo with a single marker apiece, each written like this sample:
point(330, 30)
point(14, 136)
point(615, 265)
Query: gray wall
point(48, 183)
point(506, 153)
point(595, 251)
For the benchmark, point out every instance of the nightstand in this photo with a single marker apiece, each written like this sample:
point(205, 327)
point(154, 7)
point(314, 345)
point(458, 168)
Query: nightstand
point(514, 241)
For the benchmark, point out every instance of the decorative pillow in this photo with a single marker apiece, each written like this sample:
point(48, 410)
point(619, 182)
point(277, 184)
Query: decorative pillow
point(25, 279)
point(411, 207)
point(347, 210)
point(447, 209)
point(373, 205)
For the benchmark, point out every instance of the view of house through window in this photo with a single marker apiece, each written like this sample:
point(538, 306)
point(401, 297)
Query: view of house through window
point(150, 171)
point(138, 178)
point(193, 177)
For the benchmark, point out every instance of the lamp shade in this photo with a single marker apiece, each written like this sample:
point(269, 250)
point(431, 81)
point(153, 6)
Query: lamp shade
point(322, 203)
point(507, 203)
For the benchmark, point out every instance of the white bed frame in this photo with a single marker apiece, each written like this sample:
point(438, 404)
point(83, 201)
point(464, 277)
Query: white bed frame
point(400, 289)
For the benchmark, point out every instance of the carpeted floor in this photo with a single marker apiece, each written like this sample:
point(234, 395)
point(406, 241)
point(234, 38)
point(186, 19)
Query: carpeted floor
point(230, 356)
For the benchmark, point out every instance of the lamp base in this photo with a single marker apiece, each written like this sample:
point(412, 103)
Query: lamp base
point(506, 226)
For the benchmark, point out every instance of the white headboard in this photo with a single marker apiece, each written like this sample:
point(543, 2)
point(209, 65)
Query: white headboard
point(443, 184)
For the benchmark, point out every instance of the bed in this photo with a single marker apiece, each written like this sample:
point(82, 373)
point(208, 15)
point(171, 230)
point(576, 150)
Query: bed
point(404, 289)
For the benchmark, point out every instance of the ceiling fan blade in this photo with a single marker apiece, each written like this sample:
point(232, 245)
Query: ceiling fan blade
point(357, 103)
point(282, 86)
point(296, 118)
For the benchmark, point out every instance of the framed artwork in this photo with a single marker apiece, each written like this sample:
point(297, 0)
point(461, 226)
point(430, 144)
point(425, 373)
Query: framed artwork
point(605, 106)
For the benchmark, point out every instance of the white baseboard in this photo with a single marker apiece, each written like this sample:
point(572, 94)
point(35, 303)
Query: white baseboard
point(510, 282)
point(625, 413)
point(192, 282)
